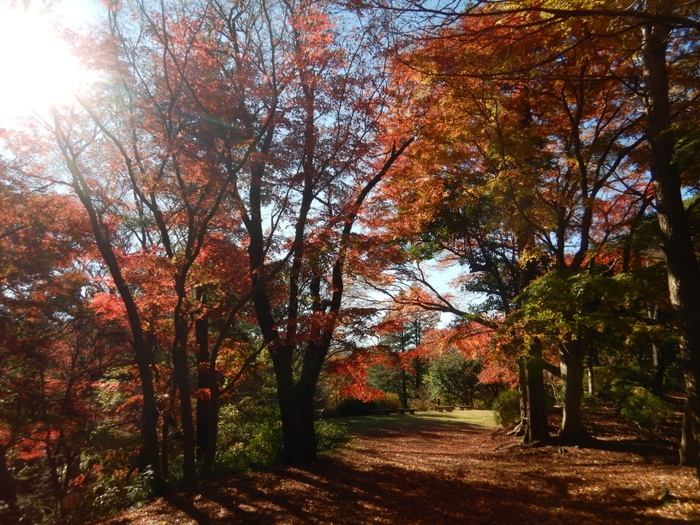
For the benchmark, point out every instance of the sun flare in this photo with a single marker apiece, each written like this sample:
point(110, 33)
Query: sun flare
point(37, 67)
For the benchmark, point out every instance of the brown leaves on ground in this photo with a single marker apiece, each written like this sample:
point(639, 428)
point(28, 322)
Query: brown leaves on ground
point(430, 471)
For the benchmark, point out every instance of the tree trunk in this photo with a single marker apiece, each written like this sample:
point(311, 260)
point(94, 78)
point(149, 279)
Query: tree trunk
point(213, 433)
point(404, 387)
point(182, 379)
point(521, 428)
point(682, 268)
point(298, 432)
point(592, 362)
point(657, 380)
point(204, 386)
point(572, 369)
point(149, 458)
point(688, 450)
point(165, 446)
point(658, 358)
point(537, 427)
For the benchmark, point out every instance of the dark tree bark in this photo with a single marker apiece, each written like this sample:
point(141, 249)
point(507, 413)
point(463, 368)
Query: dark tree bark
point(181, 374)
point(572, 369)
point(537, 428)
point(149, 457)
point(659, 362)
point(204, 401)
point(688, 450)
point(296, 411)
point(682, 268)
point(521, 428)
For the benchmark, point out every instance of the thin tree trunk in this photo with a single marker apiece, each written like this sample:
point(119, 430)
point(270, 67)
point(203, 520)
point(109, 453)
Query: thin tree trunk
point(203, 409)
point(659, 361)
point(165, 447)
point(404, 387)
point(688, 450)
point(658, 358)
point(182, 380)
point(521, 428)
point(212, 435)
point(572, 369)
point(149, 456)
point(537, 426)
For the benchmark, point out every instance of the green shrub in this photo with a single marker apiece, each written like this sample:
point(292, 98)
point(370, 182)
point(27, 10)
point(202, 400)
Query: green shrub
point(608, 380)
point(265, 448)
point(506, 407)
point(645, 410)
point(389, 400)
point(330, 435)
point(250, 436)
point(351, 406)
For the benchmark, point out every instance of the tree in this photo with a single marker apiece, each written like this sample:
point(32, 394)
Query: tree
point(405, 364)
point(452, 377)
point(326, 152)
point(53, 356)
point(661, 32)
point(538, 170)
point(153, 171)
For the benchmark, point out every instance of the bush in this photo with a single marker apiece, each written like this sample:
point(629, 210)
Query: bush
point(265, 447)
point(422, 402)
point(389, 400)
point(330, 435)
point(250, 436)
point(645, 410)
point(506, 407)
point(608, 379)
point(351, 406)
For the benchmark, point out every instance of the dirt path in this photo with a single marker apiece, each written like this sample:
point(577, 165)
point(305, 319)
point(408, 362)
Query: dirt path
point(443, 473)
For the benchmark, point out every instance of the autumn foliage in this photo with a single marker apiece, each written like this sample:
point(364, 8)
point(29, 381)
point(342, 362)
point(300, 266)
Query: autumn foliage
point(240, 223)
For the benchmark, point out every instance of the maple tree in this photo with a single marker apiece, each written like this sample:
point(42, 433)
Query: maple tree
point(153, 180)
point(324, 155)
point(54, 354)
point(216, 122)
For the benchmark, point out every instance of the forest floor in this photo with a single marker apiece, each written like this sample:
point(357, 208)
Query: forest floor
point(444, 468)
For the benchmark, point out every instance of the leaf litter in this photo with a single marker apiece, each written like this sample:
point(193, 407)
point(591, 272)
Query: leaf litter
point(422, 470)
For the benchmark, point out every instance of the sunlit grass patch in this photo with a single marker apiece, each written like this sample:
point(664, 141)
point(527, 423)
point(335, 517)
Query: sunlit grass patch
point(419, 420)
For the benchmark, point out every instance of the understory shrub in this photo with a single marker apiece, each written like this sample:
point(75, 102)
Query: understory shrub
point(351, 406)
point(608, 379)
point(388, 400)
point(423, 401)
point(644, 409)
point(506, 407)
point(329, 435)
point(250, 436)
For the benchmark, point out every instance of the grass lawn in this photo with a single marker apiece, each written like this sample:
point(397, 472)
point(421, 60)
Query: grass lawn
point(419, 420)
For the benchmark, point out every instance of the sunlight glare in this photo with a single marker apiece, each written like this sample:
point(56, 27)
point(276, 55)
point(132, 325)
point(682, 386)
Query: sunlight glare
point(38, 69)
